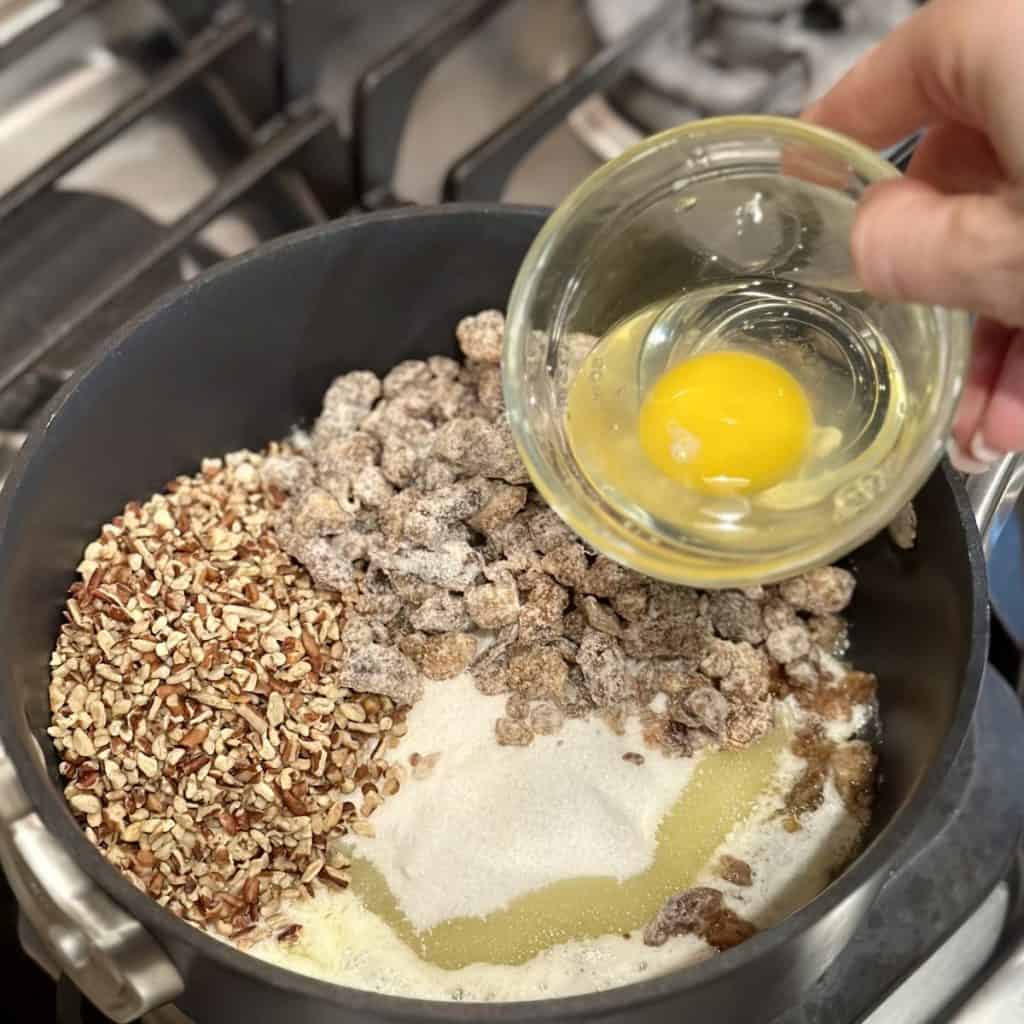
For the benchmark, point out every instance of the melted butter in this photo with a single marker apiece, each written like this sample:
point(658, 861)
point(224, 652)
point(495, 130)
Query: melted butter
point(722, 793)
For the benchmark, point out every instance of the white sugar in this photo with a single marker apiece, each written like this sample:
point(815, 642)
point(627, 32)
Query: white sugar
point(492, 823)
point(344, 943)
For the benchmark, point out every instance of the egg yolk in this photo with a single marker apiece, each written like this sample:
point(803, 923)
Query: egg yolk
point(726, 422)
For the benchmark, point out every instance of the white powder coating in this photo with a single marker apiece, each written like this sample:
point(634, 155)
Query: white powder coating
point(492, 823)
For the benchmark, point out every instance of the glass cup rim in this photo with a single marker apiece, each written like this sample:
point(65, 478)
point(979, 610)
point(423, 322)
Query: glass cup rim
point(602, 527)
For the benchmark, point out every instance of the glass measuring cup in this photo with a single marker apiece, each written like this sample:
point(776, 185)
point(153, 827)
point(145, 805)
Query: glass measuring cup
point(750, 215)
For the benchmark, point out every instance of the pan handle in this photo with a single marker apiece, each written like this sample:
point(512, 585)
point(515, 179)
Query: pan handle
point(993, 496)
point(108, 955)
point(1001, 995)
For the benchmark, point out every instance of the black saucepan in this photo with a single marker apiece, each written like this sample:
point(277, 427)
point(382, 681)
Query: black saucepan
point(235, 359)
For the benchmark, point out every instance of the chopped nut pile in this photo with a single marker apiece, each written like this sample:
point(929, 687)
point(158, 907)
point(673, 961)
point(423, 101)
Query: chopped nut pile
point(214, 722)
point(411, 502)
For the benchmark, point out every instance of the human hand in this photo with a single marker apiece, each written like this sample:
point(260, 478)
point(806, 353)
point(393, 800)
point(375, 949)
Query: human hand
point(952, 232)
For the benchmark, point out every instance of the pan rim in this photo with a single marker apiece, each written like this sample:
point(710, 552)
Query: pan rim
point(865, 874)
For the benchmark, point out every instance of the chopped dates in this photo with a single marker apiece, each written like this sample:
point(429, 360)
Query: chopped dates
point(702, 912)
point(413, 482)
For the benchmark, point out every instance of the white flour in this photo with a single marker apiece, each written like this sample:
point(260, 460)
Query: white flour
point(500, 822)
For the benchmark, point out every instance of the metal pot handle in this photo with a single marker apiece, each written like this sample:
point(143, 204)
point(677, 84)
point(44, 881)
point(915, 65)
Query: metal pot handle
point(993, 496)
point(109, 956)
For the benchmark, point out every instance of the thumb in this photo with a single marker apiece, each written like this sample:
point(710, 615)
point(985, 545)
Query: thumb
point(913, 243)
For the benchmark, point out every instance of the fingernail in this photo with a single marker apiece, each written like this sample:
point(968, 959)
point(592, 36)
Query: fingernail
point(962, 462)
point(982, 452)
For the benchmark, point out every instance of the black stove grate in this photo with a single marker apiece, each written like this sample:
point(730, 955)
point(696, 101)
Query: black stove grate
point(277, 144)
point(267, 148)
point(386, 92)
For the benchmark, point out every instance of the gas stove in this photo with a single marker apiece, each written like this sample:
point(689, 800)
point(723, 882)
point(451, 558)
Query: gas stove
point(728, 57)
point(144, 140)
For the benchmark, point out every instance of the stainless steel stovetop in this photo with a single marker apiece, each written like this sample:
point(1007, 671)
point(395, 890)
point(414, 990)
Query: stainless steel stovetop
point(144, 140)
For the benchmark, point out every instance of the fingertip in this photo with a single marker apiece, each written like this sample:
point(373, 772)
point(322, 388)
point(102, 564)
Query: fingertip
point(962, 462)
point(1002, 426)
point(1001, 432)
point(982, 451)
point(968, 416)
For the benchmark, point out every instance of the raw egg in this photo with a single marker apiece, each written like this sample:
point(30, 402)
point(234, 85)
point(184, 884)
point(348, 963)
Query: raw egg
point(726, 422)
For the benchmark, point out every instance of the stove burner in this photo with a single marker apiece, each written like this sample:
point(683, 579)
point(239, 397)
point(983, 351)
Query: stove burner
point(742, 56)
